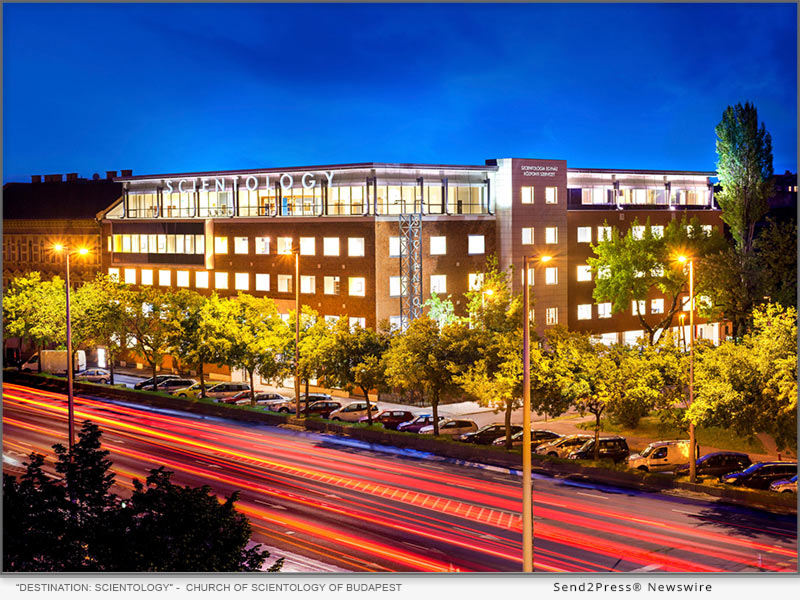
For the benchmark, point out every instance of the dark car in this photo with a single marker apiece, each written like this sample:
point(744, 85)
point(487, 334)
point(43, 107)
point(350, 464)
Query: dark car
point(390, 419)
point(323, 408)
point(717, 464)
point(417, 423)
point(488, 434)
point(760, 475)
point(538, 436)
point(147, 384)
point(612, 447)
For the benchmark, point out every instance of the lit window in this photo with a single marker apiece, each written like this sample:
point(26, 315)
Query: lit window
point(685, 303)
point(394, 247)
point(657, 306)
point(220, 245)
point(126, 243)
point(284, 283)
point(584, 312)
point(551, 316)
point(357, 286)
point(395, 322)
point(355, 246)
point(307, 246)
point(308, 284)
point(331, 285)
point(476, 244)
point(551, 235)
point(241, 281)
point(657, 231)
point(526, 194)
point(240, 245)
point(331, 319)
point(638, 307)
point(475, 281)
point(584, 235)
point(550, 195)
point(180, 244)
point(584, 273)
point(706, 229)
point(113, 273)
point(551, 275)
point(527, 236)
point(199, 244)
point(438, 284)
point(262, 245)
point(220, 280)
point(130, 276)
point(284, 245)
point(182, 278)
point(604, 272)
point(631, 337)
point(394, 286)
point(438, 245)
point(638, 232)
point(358, 322)
point(330, 246)
point(262, 282)
point(164, 277)
point(604, 310)
point(603, 234)
point(200, 279)
point(530, 276)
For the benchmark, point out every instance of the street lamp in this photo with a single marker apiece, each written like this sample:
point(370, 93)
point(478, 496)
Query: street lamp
point(484, 293)
point(692, 440)
point(70, 404)
point(682, 319)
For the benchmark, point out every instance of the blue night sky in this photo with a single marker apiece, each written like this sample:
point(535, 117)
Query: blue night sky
point(170, 88)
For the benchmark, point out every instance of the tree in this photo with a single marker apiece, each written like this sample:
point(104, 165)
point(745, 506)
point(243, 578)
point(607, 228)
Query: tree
point(776, 255)
point(440, 309)
point(731, 282)
point(744, 169)
point(145, 315)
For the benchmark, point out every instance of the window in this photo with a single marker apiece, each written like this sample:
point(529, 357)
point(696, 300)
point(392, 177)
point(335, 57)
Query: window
point(284, 245)
point(476, 244)
point(603, 272)
point(438, 284)
point(706, 229)
point(475, 281)
point(685, 303)
point(526, 194)
point(164, 277)
point(147, 277)
point(638, 232)
point(584, 312)
point(220, 245)
point(657, 231)
point(262, 282)
point(130, 276)
point(240, 245)
point(394, 287)
point(241, 281)
point(551, 316)
point(603, 234)
point(358, 322)
point(262, 245)
point(584, 235)
point(200, 279)
point(355, 246)
point(530, 276)
point(604, 310)
point(182, 278)
point(527, 236)
point(357, 286)
point(551, 235)
point(331, 285)
point(113, 273)
point(438, 245)
point(308, 284)
point(638, 307)
point(550, 195)
point(551, 275)
point(307, 246)
point(395, 322)
point(220, 280)
point(657, 306)
point(331, 319)
point(394, 247)
point(584, 273)
point(284, 283)
point(330, 246)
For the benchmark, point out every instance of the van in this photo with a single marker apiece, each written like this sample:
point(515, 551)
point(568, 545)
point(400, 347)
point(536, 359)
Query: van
point(54, 361)
point(661, 456)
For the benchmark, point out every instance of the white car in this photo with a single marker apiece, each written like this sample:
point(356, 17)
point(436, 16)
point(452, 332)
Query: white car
point(452, 427)
point(93, 375)
point(353, 412)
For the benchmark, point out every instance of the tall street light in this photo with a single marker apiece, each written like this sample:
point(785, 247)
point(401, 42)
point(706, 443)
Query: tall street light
point(484, 293)
point(296, 252)
point(692, 440)
point(70, 404)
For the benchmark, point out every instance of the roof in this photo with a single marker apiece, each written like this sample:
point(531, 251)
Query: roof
point(643, 172)
point(58, 200)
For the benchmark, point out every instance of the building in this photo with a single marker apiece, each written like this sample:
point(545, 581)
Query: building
point(231, 231)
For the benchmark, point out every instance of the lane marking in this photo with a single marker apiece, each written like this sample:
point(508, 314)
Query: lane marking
point(592, 495)
point(685, 512)
point(647, 568)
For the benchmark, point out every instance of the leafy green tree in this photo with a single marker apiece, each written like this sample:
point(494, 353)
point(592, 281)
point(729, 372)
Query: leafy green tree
point(315, 332)
point(145, 316)
point(641, 388)
point(440, 309)
point(744, 169)
point(731, 282)
point(776, 252)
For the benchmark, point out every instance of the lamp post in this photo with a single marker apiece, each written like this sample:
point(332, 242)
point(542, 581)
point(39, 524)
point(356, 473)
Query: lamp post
point(484, 293)
point(692, 439)
point(296, 252)
point(682, 319)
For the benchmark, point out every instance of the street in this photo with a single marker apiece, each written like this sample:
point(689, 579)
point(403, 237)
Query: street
point(330, 503)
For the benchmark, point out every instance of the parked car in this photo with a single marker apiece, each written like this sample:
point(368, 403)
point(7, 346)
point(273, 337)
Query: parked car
point(315, 397)
point(562, 446)
point(353, 412)
point(171, 385)
point(488, 434)
point(270, 399)
point(147, 384)
point(417, 423)
point(93, 375)
point(538, 436)
point(612, 447)
point(661, 456)
point(717, 464)
point(760, 475)
point(227, 389)
point(452, 427)
point(323, 408)
point(786, 486)
point(390, 419)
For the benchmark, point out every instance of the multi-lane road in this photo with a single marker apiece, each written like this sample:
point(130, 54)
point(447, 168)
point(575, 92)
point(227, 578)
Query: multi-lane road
point(330, 503)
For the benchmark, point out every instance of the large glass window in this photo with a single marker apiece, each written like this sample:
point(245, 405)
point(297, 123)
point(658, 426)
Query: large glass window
point(357, 286)
point(331, 285)
point(241, 281)
point(220, 245)
point(307, 246)
point(438, 245)
point(240, 245)
point(584, 312)
point(200, 279)
point(475, 244)
point(262, 245)
point(527, 236)
point(147, 276)
point(330, 246)
point(284, 283)
point(355, 246)
point(394, 247)
point(308, 284)
point(284, 245)
point(394, 286)
point(262, 282)
point(182, 278)
point(220, 280)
